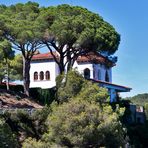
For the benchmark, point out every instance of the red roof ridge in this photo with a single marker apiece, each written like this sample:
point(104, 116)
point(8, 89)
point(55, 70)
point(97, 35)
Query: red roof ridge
point(95, 58)
point(89, 57)
point(44, 56)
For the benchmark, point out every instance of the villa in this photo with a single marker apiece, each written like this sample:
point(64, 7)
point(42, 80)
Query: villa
point(95, 67)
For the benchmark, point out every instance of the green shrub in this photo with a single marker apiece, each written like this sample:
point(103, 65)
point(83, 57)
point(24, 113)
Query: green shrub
point(15, 88)
point(29, 125)
point(7, 137)
point(80, 123)
point(44, 96)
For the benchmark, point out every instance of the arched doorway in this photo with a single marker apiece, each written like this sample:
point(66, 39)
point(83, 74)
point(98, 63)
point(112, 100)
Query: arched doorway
point(87, 73)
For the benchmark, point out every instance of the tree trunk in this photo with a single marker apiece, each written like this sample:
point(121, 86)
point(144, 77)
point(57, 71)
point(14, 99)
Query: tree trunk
point(7, 81)
point(62, 68)
point(69, 67)
point(26, 75)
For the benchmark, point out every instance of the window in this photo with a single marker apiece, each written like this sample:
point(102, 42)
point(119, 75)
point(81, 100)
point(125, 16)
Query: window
point(47, 75)
point(41, 75)
point(106, 77)
point(99, 74)
point(86, 73)
point(35, 76)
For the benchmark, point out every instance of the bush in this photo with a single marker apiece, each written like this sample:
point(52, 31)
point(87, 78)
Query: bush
point(25, 125)
point(79, 123)
point(44, 96)
point(33, 143)
point(15, 88)
point(69, 85)
point(7, 137)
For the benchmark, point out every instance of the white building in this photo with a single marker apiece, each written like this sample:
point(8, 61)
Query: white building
point(97, 68)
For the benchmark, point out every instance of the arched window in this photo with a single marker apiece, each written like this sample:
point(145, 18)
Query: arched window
point(35, 76)
point(47, 75)
point(99, 74)
point(86, 73)
point(41, 75)
point(106, 77)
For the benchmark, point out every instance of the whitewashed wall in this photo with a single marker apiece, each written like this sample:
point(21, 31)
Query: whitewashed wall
point(94, 68)
point(52, 67)
point(81, 66)
point(38, 66)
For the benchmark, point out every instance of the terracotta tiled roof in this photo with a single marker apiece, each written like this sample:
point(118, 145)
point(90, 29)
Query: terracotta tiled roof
point(44, 56)
point(91, 57)
point(95, 58)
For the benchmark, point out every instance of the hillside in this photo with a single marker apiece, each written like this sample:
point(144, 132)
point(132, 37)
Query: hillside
point(139, 99)
point(16, 100)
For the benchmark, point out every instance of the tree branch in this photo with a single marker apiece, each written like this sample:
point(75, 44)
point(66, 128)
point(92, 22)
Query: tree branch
point(54, 56)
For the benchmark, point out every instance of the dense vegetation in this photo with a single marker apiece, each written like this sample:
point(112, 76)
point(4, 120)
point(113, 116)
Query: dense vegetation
point(140, 99)
point(12, 69)
point(138, 133)
point(81, 117)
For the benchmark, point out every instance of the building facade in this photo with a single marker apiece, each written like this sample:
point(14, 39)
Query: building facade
point(95, 67)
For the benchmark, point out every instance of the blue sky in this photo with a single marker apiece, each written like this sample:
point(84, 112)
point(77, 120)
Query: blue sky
point(129, 17)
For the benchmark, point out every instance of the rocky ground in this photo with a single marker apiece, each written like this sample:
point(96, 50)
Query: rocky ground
point(11, 100)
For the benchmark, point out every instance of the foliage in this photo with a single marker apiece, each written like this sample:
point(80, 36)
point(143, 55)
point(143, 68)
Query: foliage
point(146, 110)
point(44, 96)
point(39, 117)
point(7, 54)
point(2, 72)
point(7, 137)
point(69, 85)
point(74, 85)
point(11, 61)
point(20, 20)
point(33, 143)
point(92, 92)
point(14, 88)
point(81, 124)
point(138, 133)
point(27, 125)
point(16, 66)
point(84, 124)
point(19, 25)
point(76, 31)
point(83, 118)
